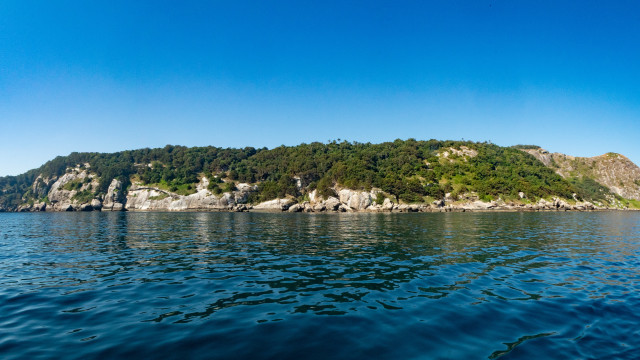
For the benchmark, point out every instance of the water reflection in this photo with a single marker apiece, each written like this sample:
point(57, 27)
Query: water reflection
point(487, 276)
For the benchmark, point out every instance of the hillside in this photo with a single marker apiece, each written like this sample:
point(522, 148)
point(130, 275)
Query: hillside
point(347, 175)
point(613, 171)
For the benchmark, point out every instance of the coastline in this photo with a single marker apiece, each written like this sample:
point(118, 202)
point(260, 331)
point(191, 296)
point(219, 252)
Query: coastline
point(250, 209)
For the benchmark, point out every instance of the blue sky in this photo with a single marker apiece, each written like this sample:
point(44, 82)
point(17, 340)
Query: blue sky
point(110, 76)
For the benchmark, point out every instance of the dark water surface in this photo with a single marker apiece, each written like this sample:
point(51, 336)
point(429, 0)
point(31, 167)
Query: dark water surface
point(288, 286)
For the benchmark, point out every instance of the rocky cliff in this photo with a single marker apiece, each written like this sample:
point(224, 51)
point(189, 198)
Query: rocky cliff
point(64, 191)
point(141, 197)
point(612, 170)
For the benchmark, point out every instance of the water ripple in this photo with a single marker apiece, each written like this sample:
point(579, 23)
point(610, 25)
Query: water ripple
point(218, 285)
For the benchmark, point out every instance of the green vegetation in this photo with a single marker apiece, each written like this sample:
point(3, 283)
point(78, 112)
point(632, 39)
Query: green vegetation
point(526, 147)
point(587, 188)
point(637, 182)
point(159, 197)
point(72, 185)
point(176, 187)
point(217, 186)
point(633, 204)
point(406, 170)
point(84, 196)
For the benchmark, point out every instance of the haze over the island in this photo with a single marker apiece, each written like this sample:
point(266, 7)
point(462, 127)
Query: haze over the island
point(78, 76)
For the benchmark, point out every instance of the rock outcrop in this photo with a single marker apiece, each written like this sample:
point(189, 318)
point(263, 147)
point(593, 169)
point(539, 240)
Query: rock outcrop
point(141, 197)
point(612, 170)
point(65, 192)
point(115, 199)
point(276, 204)
point(356, 200)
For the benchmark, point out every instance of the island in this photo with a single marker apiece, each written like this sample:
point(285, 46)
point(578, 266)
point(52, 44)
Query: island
point(338, 176)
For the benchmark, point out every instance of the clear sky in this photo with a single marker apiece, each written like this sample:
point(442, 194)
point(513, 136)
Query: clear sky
point(114, 75)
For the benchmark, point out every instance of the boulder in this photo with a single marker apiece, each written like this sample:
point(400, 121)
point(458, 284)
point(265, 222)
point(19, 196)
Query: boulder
point(313, 196)
point(240, 208)
point(114, 199)
point(332, 204)
point(96, 204)
point(544, 204)
point(39, 207)
point(117, 207)
point(387, 204)
point(276, 204)
point(478, 205)
point(357, 200)
point(374, 208)
point(86, 207)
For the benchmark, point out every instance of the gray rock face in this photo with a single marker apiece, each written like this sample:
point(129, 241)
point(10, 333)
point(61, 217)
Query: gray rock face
point(276, 204)
point(96, 204)
point(612, 170)
point(139, 197)
point(313, 197)
point(479, 205)
point(86, 207)
point(332, 204)
point(113, 200)
point(387, 205)
point(319, 207)
point(63, 199)
point(117, 207)
point(356, 200)
point(142, 197)
point(39, 207)
point(41, 186)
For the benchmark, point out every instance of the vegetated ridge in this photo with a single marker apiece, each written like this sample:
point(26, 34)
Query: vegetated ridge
point(613, 171)
point(403, 175)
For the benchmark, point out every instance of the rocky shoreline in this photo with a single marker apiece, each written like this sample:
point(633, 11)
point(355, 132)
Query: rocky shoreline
point(67, 193)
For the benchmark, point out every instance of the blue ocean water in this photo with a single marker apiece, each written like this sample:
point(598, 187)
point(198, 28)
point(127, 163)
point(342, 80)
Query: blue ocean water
point(318, 286)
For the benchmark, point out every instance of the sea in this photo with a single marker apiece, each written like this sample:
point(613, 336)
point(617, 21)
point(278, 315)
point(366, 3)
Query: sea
point(209, 285)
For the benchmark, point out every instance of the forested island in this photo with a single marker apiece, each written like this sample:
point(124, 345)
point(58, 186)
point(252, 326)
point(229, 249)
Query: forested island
point(403, 175)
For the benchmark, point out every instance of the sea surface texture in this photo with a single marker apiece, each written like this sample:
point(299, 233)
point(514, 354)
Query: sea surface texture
point(320, 286)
